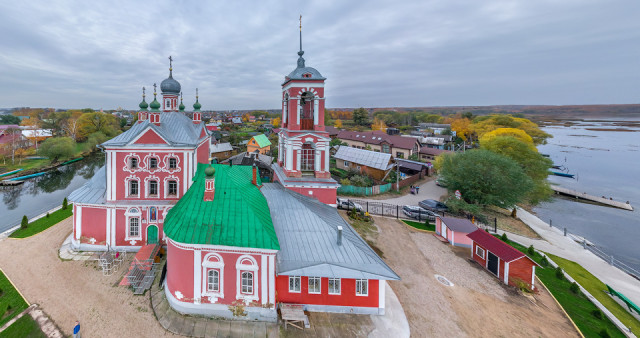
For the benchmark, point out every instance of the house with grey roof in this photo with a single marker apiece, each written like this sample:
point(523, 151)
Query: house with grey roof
point(455, 230)
point(371, 163)
point(221, 151)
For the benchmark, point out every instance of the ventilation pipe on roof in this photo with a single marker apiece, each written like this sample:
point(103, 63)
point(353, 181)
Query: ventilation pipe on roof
point(339, 234)
point(254, 180)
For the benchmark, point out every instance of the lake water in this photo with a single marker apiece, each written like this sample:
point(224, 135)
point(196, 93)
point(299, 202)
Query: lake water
point(606, 163)
point(43, 193)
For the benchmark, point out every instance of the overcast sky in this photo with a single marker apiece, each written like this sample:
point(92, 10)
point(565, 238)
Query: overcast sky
point(99, 54)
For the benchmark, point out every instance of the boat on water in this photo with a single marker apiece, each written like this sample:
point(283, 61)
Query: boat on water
point(20, 178)
point(10, 172)
point(71, 161)
point(557, 173)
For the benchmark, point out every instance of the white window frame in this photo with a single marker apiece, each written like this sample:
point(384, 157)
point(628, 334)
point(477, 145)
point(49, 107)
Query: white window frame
point(166, 163)
point(294, 279)
point(346, 163)
point(247, 263)
point(137, 160)
point(166, 186)
point(314, 279)
point(359, 284)
point(149, 183)
point(150, 160)
point(478, 248)
point(175, 166)
point(213, 286)
point(127, 187)
point(212, 261)
point(334, 281)
point(249, 279)
point(147, 186)
point(133, 213)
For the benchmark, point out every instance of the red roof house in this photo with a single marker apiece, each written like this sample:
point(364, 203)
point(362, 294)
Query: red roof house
point(455, 230)
point(501, 259)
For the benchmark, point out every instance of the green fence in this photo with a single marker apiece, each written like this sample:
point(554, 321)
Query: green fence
point(363, 191)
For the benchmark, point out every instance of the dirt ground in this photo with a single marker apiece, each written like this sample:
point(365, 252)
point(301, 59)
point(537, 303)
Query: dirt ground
point(510, 224)
point(477, 305)
point(103, 309)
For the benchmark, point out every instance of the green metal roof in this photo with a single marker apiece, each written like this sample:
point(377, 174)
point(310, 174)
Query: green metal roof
point(262, 140)
point(238, 215)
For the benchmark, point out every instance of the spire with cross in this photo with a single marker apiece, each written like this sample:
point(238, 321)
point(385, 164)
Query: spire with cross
point(170, 66)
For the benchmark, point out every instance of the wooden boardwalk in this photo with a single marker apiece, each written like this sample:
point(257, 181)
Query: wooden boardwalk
point(585, 196)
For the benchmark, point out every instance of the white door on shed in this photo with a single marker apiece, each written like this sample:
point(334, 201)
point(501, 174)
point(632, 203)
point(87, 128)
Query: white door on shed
point(443, 230)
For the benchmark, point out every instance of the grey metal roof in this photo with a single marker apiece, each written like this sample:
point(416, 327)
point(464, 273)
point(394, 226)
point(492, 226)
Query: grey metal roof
point(170, 85)
point(459, 224)
point(304, 181)
point(93, 191)
point(372, 159)
point(176, 128)
point(307, 231)
point(216, 148)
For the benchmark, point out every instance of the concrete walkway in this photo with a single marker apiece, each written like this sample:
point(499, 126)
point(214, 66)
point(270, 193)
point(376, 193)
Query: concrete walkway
point(557, 244)
point(428, 190)
point(394, 323)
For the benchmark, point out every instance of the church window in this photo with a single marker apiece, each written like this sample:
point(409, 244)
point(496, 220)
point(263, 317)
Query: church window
point(362, 287)
point(247, 282)
point(172, 188)
point(294, 283)
point(173, 163)
point(213, 280)
point(308, 156)
point(134, 227)
point(133, 163)
point(153, 163)
point(133, 188)
point(306, 111)
point(153, 188)
point(314, 285)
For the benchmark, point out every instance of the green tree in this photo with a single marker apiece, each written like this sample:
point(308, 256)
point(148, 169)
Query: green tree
point(58, 148)
point(65, 204)
point(25, 222)
point(484, 177)
point(90, 123)
point(9, 119)
point(95, 139)
point(532, 163)
point(361, 117)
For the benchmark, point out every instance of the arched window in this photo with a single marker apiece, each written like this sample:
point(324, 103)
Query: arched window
point(133, 225)
point(247, 282)
point(213, 277)
point(308, 157)
point(285, 110)
point(306, 111)
point(213, 281)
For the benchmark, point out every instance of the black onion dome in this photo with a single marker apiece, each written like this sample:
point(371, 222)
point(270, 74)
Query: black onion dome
point(169, 85)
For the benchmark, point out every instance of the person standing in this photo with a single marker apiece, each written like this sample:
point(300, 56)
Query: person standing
point(417, 189)
point(76, 330)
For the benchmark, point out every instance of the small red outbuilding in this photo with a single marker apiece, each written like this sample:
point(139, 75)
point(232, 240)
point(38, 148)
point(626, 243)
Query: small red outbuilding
point(501, 259)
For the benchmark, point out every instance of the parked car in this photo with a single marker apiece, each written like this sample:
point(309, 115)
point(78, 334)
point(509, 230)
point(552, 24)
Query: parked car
point(419, 213)
point(344, 203)
point(441, 182)
point(433, 205)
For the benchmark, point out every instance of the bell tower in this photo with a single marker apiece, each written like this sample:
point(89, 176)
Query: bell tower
point(303, 153)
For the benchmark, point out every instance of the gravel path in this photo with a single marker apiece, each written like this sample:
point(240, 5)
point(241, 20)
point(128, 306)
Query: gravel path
point(75, 290)
point(477, 305)
point(428, 190)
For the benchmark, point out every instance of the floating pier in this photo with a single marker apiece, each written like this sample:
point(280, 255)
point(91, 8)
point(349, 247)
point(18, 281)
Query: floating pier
point(585, 196)
point(10, 183)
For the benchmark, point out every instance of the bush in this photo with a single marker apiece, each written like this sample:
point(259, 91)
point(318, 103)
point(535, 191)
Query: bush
point(95, 139)
point(65, 204)
point(597, 314)
point(361, 181)
point(604, 333)
point(531, 251)
point(345, 181)
point(504, 237)
point(58, 148)
point(544, 262)
point(48, 215)
point(559, 273)
point(25, 222)
point(574, 288)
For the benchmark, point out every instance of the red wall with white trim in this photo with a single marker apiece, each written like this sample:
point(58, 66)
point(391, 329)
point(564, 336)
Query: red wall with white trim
point(347, 296)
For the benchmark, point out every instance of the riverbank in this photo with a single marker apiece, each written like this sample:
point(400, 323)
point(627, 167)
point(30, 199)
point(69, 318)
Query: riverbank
point(36, 165)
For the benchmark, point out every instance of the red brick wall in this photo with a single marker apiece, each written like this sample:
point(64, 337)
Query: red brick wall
point(482, 261)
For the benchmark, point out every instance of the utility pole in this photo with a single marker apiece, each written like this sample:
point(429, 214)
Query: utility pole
point(397, 176)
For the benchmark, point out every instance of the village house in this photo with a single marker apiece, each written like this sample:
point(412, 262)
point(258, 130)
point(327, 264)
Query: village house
point(501, 259)
point(433, 128)
point(374, 164)
point(221, 151)
point(396, 145)
point(259, 143)
point(428, 155)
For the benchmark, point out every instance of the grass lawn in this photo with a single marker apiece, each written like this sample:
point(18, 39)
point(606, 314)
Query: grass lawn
point(23, 327)
point(11, 302)
point(597, 288)
point(43, 223)
point(26, 165)
point(577, 306)
point(420, 225)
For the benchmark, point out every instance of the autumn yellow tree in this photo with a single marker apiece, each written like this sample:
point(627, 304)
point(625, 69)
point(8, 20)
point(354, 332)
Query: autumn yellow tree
point(276, 122)
point(519, 134)
point(484, 124)
point(337, 124)
point(462, 127)
point(378, 124)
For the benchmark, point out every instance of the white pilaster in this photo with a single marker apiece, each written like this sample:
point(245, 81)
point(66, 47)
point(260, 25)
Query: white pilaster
point(78, 222)
point(315, 112)
point(299, 159)
point(506, 272)
point(317, 162)
point(108, 228)
point(108, 166)
point(289, 161)
point(297, 110)
point(185, 166)
point(113, 226)
point(263, 274)
point(197, 275)
point(326, 156)
point(272, 279)
point(381, 294)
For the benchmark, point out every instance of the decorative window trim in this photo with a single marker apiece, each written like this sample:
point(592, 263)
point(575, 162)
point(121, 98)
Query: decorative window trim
point(126, 186)
point(246, 263)
point(213, 261)
point(165, 212)
point(165, 160)
point(481, 251)
point(339, 286)
point(309, 279)
point(133, 213)
point(299, 284)
point(359, 289)
point(126, 163)
point(147, 163)
point(147, 187)
point(166, 186)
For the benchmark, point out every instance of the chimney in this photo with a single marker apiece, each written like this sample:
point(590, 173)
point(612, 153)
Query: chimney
point(339, 234)
point(255, 179)
point(209, 184)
